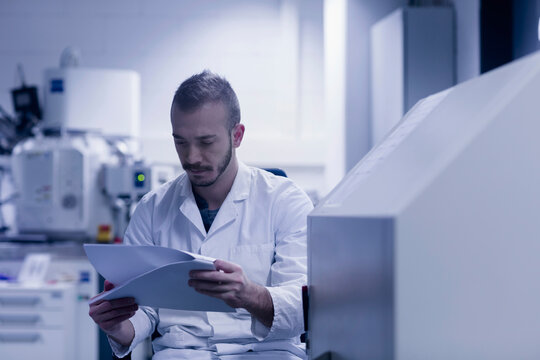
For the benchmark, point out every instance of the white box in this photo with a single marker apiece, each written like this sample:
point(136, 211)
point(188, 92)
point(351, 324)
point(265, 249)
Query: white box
point(93, 99)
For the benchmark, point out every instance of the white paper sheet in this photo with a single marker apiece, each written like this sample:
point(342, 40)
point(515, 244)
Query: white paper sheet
point(155, 276)
point(34, 268)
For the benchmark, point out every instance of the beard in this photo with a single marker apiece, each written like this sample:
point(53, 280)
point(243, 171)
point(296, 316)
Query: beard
point(221, 167)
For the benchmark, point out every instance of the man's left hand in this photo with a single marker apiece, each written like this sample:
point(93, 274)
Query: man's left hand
point(230, 284)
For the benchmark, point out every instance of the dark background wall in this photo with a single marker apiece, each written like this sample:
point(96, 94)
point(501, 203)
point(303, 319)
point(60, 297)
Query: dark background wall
point(508, 31)
point(525, 27)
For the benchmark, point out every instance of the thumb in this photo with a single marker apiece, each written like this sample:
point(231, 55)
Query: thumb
point(108, 285)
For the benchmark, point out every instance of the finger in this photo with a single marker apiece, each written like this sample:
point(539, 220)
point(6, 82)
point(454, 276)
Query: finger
point(95, 296)
point(115, 321)
point(115, 302)
point(217, 287)
point(100, 318)
point(102, 314)
point(226, 266)
point(218, 295)
point(113, 305)
point(108, 285)
point(209, 275)
point(120, 302)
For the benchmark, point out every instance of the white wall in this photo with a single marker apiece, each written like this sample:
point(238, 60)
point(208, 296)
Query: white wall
point(271, 51)
point(335, 72)
point(362, 15)
point(468, 39)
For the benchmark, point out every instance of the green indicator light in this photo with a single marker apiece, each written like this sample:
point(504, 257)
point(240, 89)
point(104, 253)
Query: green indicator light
point(141, 177)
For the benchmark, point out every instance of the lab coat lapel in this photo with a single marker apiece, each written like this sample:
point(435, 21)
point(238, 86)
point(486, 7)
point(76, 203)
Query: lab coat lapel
point(228, 211)
point(227, 214)
point(189, 208)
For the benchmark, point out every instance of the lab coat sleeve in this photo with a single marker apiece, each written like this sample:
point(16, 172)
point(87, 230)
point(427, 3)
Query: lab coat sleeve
point(289, 270)
point(139, 233)
point(144, 322)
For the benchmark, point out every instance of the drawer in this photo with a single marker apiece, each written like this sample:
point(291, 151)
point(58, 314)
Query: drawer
point(32, 319)
point(30, 345)
point(35, 299)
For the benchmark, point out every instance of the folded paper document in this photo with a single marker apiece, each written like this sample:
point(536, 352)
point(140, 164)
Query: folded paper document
point(155, 276)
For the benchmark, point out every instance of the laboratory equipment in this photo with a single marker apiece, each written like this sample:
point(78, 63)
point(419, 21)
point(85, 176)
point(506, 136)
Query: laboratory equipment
point(128, 181)
point(69, 184)
point(106, 101)
point(125, 184)
point(69, 176)
point(428, 248)
point(27, 115)
point(57, 181)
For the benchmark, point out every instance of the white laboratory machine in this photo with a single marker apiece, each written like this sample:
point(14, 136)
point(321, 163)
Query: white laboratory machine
point(58, 185)
point(428, 248)
point(64, 175)
point(106, 101)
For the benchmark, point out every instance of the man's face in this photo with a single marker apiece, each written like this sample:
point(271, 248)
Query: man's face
point(203, 142)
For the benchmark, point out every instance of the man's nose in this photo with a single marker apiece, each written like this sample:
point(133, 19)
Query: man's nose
point(193, 155)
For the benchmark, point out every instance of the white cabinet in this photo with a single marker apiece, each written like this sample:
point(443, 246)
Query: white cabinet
point(75, 273)
point(37, 322)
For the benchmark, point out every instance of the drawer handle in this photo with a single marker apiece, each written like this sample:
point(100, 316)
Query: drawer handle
point(21, 319)
point(20, 338)
point(19, 301)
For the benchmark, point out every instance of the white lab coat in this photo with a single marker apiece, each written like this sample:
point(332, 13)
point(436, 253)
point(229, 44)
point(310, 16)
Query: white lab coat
point(261, 226)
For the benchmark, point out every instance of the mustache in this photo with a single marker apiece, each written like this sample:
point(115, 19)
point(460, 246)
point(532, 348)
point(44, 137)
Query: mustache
point(195, 167)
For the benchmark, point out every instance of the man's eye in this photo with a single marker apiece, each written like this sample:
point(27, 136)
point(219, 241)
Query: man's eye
point(181, 143)
point(207, 142)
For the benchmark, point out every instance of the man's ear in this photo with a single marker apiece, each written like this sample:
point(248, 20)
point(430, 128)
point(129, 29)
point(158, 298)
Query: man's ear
point(237, 135)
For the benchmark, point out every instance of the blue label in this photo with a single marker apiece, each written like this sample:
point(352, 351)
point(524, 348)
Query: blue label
point(84, 276)
point(57, 85)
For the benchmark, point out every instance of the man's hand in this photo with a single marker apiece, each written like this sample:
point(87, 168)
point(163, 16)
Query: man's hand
point(112, 317)
point(231, 285)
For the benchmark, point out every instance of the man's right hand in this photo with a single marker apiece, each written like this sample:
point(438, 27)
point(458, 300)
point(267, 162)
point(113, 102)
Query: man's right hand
point(112, 317)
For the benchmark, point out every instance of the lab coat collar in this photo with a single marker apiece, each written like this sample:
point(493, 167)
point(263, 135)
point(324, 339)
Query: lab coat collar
point(242, 183)
point(188, 205)
point(227, 212)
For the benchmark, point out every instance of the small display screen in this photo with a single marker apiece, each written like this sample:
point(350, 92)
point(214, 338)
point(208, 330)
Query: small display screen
point(22, 99)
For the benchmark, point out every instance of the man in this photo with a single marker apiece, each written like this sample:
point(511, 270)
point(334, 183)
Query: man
point(253, 222)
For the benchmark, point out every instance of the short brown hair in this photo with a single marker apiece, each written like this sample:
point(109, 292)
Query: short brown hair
point(208, 87)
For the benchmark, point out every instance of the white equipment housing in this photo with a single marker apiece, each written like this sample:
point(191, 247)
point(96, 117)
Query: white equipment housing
point(101, 100)
point(58, 185)
point(129, 181)
point(59, 177)
point(428, 248)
